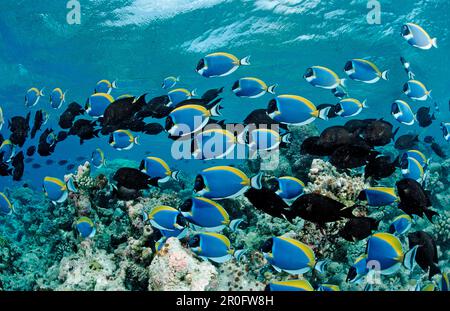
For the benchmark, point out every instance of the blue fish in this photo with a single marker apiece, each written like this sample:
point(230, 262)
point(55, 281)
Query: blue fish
point(220, 64)
point(8, 150)
point(55, 189)
point(412, 169)
point(358, 270)
point(323, 77)
point(291, 256)
point(295, 110)
point(158, 169)
point(419, 156)
point(207, 215)
point(339, 92)
point(6, 208)
point(189, 119)
point(165, 218)
point(402, 112)
point(123, 140)
point(400, 225)
point(328, 288)
point(213, 144)
point(105, 86)
point(32, 96)
point(224, 182)
point(214, 246)
point(263, 139)
point(418, 37)
point(445, 127)
point(289, 188)
point(85, 227)
point(57, 98)
point(252, 88)
point(385, 254)
point(98, 158)
point(350, 107)
point(98, 103)
point(179, 95)
point(416, 90)
point(379, 196)
point(170, 82)
point(364, 71)
point(290, 286)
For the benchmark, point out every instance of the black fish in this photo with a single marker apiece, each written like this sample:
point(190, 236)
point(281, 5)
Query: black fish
point(358, 229)
point(38, 122)
point(320, 209)
point(380, 167)
point(424, 118)
point(62, 135)
point(351, 156)
point(84, 129)
point(44, 147)
point(36, 165)
point(212, 94)
point(4, 169)
point(31, 151)
point(378, 133)
point(260, 117)
point(68, 116)
point(62, 162)
point(427, 254)
point(132, 178)
point(269, 202)
point(153, 129)
point(70, 167)
point(428, 139)
point(19, 127)
point(19, 166)
point(438, 150)
point(156, 108)
point(310, 146)
point(49, 162)
point(335, 137)
point(407, 141)
point(414, 200)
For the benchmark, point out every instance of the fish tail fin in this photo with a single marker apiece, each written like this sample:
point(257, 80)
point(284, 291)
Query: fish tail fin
point(321, 266)
point(215, 111)
point(385, 75)
point(271, 89)
point(256, 181)
point(41, 92)
point(178, 79)
point(137, 140)
point(114, 84)
point(364, 104)
point(429, 94)
point(238, 254)
point(286, 138)
point(409, 259)
point(245, 61)
point(434, 42)
point(434, 269)
point(175, 175)
point(144, 216)
point(194, 92)
point(234, 224)
point(343, 82)
point(430, 214)
point(323, 113)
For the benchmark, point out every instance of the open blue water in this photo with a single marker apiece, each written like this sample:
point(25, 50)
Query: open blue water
point(140, 42)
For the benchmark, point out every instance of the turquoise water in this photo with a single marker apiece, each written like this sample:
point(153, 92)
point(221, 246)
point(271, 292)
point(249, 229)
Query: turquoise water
point(138, 43)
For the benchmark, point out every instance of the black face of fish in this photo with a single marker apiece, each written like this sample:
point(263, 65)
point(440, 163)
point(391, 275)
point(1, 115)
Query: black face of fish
point(181, 220)
point(186, 206)
point(273, 184)
point(200, 65)
point(358, 229)
point(405, 31)
point(199, 183)
point(194, 241)
point(267, 246)
point(394, 108)
point(309, 73)
point(272, 107)
point(169, 124)
point(427, 254)
point(269, 202)
point(320, 209)
point(348, 66)
point(352, 274)
point(235, 85)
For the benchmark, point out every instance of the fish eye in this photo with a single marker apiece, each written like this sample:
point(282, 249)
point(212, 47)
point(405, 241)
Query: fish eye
point(309, 73)
point(272, 107)
point(267, 246)
point(199, 183)
point(235, 85)
point(201, 64)
point(348, 66)
point(186, 206)
point(194, 241)
point(405, 30)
